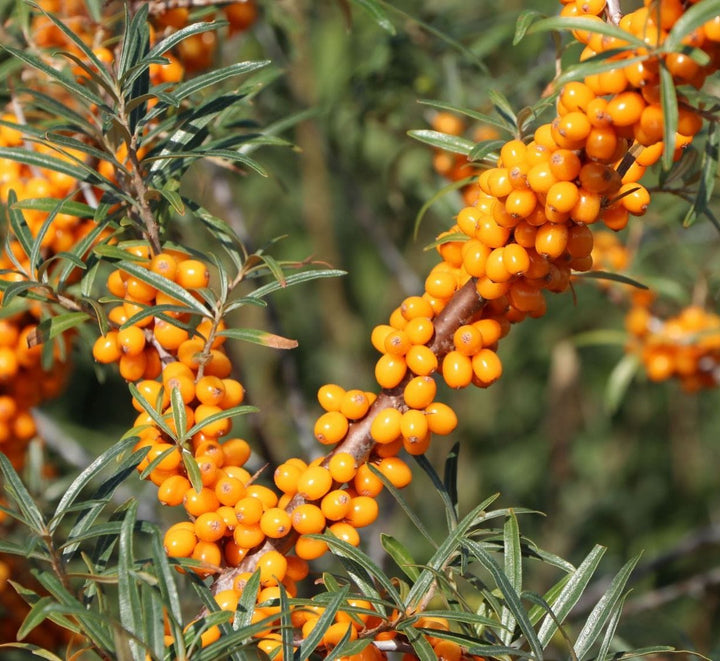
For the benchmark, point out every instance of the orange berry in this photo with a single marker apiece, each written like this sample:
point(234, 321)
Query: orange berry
point(342, 467)
point(441, 419)
point(275, 523)
point(308, 519)
point(421, 360)
point(210, 527)
point(635, 198)
point(172, 490)
point(551, 240)
point(180, 541)
point(234, 394)
point(355, 405)
point(192, 274)
point(390, 370)
point(229, 490)
point(286, 477)
point(486, 366)
point(307, 548)
point(456, 369)
point(106, 348)
point(248, 536)
point(249, 510)
point(420, 392)
point(564, 165)
point(366, 483)
point(314, 482)
point(199, 502)
point(345, 532)
point(331, 427)
point(396, 471)
point(335, 505)
point(414, 425)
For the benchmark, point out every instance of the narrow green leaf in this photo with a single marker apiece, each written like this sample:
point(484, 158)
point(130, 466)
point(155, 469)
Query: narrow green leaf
point(510, 596)
point(451, 143)
point(44, 160)
point(151, 409)
point(691, 19)
point(513, 566)
point(164, 285)
point(295, 279)
point(90, 473)
point(18, 494)
point(308, 645)
point(612, 277)
point(166, 579)
point(420, 644)
point(708, 175)
point(400, 554)
point(216, 76)
point(601, 614)
point(246, 604)
point(51, 327)
point(669, 104)
point(599, 27)
point(570, 594)
point(48, 204)
point(227, 413)
point(611, 628)
point(487, 149)
point(179, 415)
point(404, 505)
point(450, 478)
point(449, 502)
point(362, 560)
point(447, 550)
point(619, 381)
point(524, 21)
point(374, 8)
point(167, 44)
point(483, 118)
point(261, 337)
point(135, 42)
point(129, 604)
point(503, 107)
point(18, 224)
point(35, 650)
point(445, 190)
point(76, 89)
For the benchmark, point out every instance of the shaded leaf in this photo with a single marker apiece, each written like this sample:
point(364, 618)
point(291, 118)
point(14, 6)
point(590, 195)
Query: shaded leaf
point(452, 143)
point(257, 336)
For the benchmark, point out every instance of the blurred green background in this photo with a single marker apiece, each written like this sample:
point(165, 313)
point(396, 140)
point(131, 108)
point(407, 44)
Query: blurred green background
point(643, 475)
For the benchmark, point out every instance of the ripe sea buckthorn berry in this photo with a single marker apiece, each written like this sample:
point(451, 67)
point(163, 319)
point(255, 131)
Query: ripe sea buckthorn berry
point(132, 368)
point(635, 198)
point(165, 265)
point(116, 284)
point(236, 451)
point(515, 259)
point(336, 504)
point(248, 536)
point(415, 306)
point(342, 467)
point(601, 144)
point(210, 527)
point(520, 203)
point(564, 165)
point(487, 366)
point(491, 234)
point(414, 425)
point(574, 126)
point(307, 548)
point(576, 96)
point(139, 290)
point(421, 360)
point(377, 338)
point(265, 495)
point(420, 330)
point(524, 235)
point(286, 477)
point(385, 427)
point(562, 197)
point(345, 532)
point(192, 274)
point(308, 519)
point(475, 253)
point(331, 427)
point(106, 348)
point(467, 340)
point(249, 510)
point(498, 182)
point(489, 290)
point(397, 343)
point(396, 471)
point(170, 454)
point(210, 390)
point(168, 335)
point(179, 541)
point(580, 241)
point(626, 109)
point(468, 219)
point(587, 208)
point(234, 394)
point(540, 177)
point(199, 502)
point(456, 369)
point(495, 268)
point(172, 491)
point(513, 153)
point(551, 240)
point(441, 418)
point(366, 483)
point(229, 490)
point(615, 217)
point(314, 482)
point(390, 370)
point(275, 523)
point(440, 284)
point(215, 428)
point(420, 391)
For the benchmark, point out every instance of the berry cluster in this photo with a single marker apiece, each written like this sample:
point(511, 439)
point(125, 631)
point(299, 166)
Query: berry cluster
point(685, 346)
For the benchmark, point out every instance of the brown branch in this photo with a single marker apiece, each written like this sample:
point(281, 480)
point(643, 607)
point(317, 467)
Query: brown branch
point(358, 442)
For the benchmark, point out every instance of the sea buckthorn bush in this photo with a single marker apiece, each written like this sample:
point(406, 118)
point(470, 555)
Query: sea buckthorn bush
point(278, 424)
